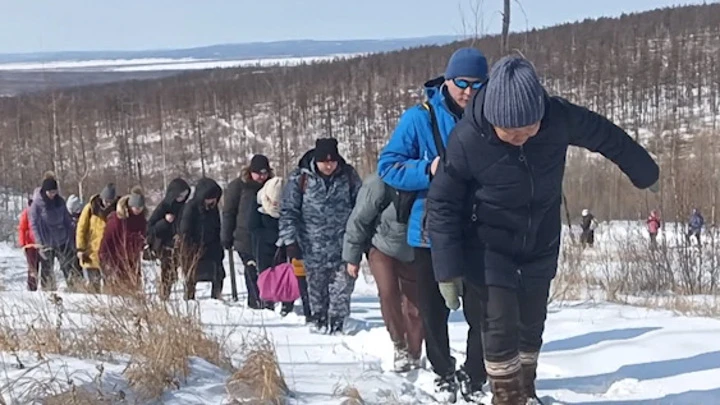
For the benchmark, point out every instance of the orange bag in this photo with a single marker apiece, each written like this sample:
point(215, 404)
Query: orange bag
point(298, 267)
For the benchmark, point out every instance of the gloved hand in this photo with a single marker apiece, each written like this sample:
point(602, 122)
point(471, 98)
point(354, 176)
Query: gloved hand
point(655, 187)
point(83, 256)
point(292, 251)
point(451, 290)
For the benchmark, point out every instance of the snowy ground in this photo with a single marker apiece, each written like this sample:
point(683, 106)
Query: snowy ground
point(594, 353)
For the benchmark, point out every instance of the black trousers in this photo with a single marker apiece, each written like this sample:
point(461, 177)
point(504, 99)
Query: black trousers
point(435, 315)
point(250, 274)
point(514, 320)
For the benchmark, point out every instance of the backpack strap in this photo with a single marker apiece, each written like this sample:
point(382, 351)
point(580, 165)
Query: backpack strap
point(435, 130)
point(303, 182)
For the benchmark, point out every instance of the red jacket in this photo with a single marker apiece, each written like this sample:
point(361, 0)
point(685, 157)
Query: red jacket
point(25, 235)
point(123, 239)
point(653, 224)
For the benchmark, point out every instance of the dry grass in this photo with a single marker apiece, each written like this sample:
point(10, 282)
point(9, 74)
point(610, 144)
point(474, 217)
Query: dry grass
point(349, 394)
point(259, 380)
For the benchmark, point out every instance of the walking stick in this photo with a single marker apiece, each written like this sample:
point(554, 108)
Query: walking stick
point(233, 283)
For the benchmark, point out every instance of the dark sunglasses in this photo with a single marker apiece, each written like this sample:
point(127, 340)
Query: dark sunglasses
point(464, 84)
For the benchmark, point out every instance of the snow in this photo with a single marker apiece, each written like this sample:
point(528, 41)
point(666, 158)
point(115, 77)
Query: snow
point(152, 64)
point(594, 352)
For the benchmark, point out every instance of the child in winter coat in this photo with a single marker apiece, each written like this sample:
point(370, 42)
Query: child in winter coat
point(201, 252)
point(90, 232)
point(264, 224)
point(123, 241)
point(162, 228)
point(53, 231)
point(653, 225)
point(27, 242)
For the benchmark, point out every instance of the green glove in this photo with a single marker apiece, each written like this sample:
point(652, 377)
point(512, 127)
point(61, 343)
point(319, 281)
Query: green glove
point(451, 291)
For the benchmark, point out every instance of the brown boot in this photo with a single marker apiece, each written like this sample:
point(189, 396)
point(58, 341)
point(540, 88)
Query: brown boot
point(506, 382)
point(528, 363)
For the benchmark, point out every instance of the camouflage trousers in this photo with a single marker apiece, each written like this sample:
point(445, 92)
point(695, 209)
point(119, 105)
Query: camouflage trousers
point(329, 289)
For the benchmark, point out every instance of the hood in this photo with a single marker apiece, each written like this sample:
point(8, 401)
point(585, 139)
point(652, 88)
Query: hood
point(207, 188)
point(98, 209)
point(123, 210)
point(433, 87)
point(74, 205)
point(175, 188)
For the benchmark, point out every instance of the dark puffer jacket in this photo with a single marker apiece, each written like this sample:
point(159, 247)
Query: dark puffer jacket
point(239, 204)
point(517, 190)
point(161, 233)
point(200, 226)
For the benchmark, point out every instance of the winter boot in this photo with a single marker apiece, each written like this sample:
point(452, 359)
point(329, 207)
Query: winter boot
point(506, 382)
point(319, 324)
point(190, 290)
point(401, 360)
point(528, 363)
point(336, 326)
point(471, 391)
point(446, 389)
point(287, 308)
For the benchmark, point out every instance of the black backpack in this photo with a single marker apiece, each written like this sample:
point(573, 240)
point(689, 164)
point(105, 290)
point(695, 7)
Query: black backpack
point(404, 200)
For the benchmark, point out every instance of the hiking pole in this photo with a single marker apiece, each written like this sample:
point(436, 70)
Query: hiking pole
point(233, 283)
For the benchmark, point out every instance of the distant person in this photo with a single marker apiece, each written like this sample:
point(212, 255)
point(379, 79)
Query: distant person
point(316, 205)
point(199, 233)
point(239, 204)
point(162, 229)
point(588, 224)
point(54, 233)
point(122, 244)
point(373, 229)
point(27, 242)
point(508, 153)
point(653, 226)
point(695, 225)
point(90, 231)
point(408, 163)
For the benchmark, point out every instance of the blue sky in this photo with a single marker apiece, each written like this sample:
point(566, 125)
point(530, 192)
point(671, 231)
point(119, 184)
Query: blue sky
point(56, 25)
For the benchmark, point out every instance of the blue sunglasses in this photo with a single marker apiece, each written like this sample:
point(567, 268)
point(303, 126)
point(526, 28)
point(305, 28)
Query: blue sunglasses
point(464, 84)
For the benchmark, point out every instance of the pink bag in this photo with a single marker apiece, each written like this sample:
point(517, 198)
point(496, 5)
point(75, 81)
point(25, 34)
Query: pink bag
point(279, 284)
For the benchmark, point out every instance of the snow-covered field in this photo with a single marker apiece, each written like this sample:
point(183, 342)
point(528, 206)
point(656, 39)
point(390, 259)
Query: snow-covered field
point(594, 353)
point(147, 64)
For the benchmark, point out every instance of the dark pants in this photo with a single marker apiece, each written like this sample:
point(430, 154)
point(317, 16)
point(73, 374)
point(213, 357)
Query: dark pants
point(250, 273)
point(302, 282)
point(696, 234)
point(206, 271)
point(435, 319)
point(514, 320)
point(397, 288)
point(94, 279)
point(168, 272)
point(65, 255)
point(587, 237)
point(33, 261)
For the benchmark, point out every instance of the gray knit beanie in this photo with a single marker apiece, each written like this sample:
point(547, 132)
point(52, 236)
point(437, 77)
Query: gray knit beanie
point(514, 97)
point(108, 193)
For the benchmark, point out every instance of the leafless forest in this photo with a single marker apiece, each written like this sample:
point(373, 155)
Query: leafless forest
point(654, 73)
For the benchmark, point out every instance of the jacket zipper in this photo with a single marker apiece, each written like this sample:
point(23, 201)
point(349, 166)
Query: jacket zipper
point(523, 159)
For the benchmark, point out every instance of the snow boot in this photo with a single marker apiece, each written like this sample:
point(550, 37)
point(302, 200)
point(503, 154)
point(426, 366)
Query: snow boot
point(506, 382)
point(471, 391)
point(446, 389)
point(336, 326)
point(319, 324)
point(528, 364)
point(287, 308)
point(401, 359)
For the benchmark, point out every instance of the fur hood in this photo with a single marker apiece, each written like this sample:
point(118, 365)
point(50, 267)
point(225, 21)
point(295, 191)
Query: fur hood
point(247, 178)
point(123, 208)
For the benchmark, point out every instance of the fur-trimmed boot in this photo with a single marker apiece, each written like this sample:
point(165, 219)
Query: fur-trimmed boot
point(528, 364)
point(506, 382)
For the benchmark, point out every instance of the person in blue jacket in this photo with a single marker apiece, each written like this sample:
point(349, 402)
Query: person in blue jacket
point(695, 225)
point(509, 152)
point(407, 164)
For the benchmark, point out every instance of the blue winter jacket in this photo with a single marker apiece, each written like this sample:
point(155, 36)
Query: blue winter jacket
point(696, 221)
point(405, 161)
point(517, 191)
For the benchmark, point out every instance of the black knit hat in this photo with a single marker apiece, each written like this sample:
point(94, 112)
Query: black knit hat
point(326, 149)
point(49, 184)
point(514, 96)
point(259, 164)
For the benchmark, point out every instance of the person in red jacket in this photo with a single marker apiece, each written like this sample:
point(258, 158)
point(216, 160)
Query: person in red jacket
point(653, 225)
point(122, 244)
point(27, 242)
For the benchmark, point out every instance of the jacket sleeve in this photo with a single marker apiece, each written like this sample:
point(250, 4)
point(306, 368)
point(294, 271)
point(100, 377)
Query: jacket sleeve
point(360, 227)
point(446, 212)
point(400, 164)
point(355, 185)
point(290, 211)
point(230, 210)
point(110, 239)
point(82, 238)
point(34, 216)
point(187, 224)
point(24, 228)
point(70, 228)
point(157, 225)
point(598, 134)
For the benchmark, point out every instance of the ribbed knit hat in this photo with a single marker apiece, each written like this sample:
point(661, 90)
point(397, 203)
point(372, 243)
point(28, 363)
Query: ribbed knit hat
point(467, 62)
point(108, 192)
point(514, 96)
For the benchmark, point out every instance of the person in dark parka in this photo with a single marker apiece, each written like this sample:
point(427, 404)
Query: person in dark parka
point(510, 148)
point(239, 204)
point(201, 252)
point(162, 228)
